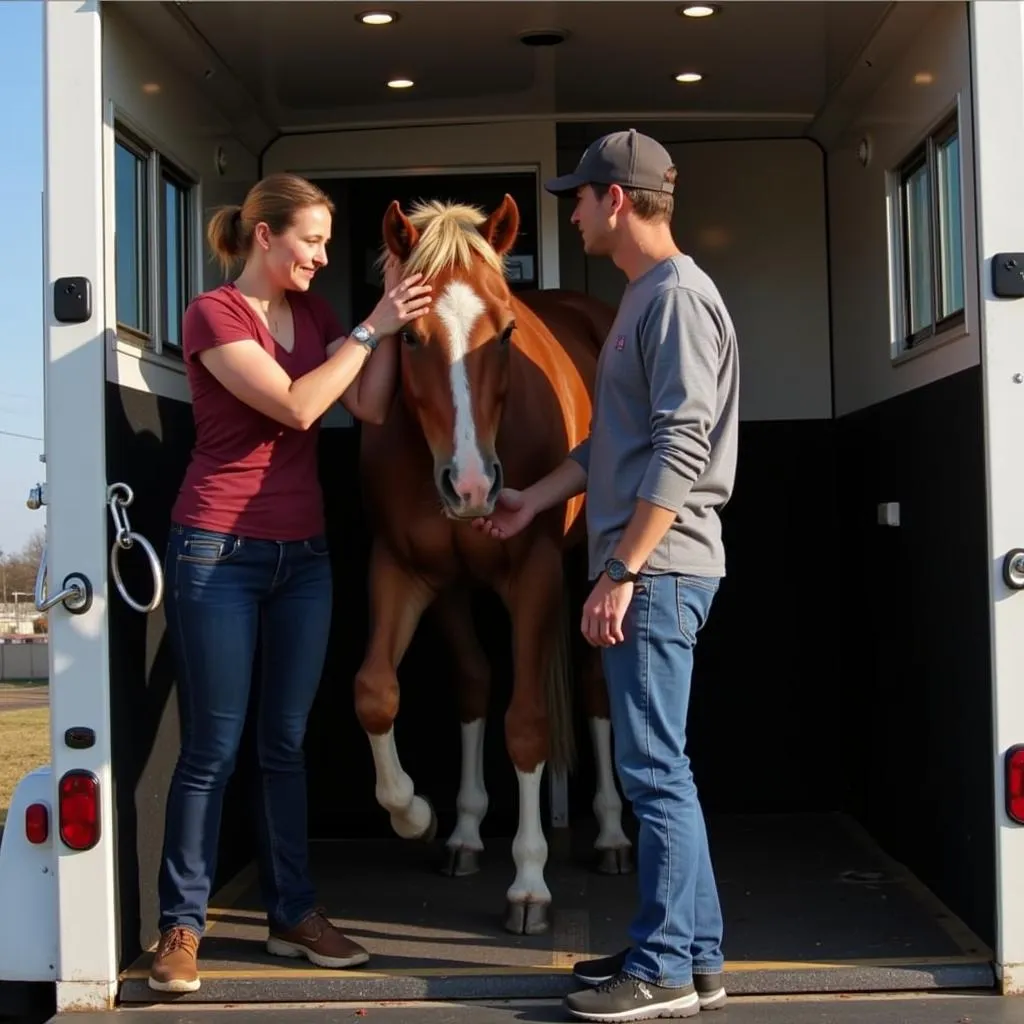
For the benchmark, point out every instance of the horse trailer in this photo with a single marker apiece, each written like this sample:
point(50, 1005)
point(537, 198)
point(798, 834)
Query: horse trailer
point(848, 174)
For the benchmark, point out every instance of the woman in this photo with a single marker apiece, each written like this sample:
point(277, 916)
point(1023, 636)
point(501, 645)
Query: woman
point(265, 360)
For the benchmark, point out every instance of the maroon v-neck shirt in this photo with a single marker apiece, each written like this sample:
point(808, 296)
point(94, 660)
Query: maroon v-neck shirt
point(249, 474)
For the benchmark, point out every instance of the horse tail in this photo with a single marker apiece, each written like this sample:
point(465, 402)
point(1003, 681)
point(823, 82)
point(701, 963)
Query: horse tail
point(558, 691)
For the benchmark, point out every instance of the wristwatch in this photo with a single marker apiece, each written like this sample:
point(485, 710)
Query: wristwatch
point(618, 572)
point(366, 336)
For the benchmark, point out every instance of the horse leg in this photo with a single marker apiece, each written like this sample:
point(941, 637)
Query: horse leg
point(473, 683)
point(614, 850)
point(398, 599)
point(538, 723)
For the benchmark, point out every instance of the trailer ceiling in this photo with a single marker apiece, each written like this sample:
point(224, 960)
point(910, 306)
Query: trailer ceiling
point(301, 66)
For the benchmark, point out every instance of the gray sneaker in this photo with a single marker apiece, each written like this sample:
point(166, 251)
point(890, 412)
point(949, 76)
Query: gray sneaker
point(709, 987)
point(625, 998)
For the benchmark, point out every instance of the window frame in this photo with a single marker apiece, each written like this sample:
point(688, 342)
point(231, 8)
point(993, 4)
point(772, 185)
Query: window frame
point(940, 328)
point(159, 167)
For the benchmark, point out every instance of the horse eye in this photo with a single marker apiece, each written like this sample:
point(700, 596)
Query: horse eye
point(506, 335)
point(408, 338)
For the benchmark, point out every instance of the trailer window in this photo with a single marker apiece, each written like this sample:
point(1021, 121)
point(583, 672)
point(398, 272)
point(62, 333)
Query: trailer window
point(130, 234)
point(155, 210)
point(928, 246)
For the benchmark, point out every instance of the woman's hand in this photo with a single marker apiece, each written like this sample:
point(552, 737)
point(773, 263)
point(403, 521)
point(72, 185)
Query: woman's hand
point(403, 300)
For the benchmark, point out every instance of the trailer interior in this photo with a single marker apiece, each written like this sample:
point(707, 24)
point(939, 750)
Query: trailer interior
point(840, 725)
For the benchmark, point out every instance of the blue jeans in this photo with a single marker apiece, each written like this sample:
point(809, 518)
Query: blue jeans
point(677, 931)
point(222, 591)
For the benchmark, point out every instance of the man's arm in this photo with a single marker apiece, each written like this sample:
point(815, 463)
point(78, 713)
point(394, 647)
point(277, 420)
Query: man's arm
point(679, 345)
point(562, 483)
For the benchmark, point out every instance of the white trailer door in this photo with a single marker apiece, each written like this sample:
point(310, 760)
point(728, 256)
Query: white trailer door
point(997, 59)
point(76, 513)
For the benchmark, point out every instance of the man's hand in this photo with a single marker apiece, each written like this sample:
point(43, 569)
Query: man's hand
point(513, 512)
point(604, 611)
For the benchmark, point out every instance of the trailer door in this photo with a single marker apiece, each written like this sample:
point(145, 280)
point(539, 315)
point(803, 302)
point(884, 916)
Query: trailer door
point(77, 553)
point(997, 62)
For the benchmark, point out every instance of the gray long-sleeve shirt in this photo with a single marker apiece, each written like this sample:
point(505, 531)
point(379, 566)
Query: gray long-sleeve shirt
point(665, 419)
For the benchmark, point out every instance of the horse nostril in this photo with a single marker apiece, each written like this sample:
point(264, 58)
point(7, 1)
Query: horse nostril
point(492, 494)
point(448, 488)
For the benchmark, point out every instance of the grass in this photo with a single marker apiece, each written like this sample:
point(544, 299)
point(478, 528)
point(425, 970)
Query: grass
point(24, 745)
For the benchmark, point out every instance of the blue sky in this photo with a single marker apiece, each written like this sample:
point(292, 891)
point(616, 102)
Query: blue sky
point(21, 271)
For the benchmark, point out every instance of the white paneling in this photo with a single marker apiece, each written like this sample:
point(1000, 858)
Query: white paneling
point(432, 151)
point(895, 118)
point(149, 95)
point(752, 214)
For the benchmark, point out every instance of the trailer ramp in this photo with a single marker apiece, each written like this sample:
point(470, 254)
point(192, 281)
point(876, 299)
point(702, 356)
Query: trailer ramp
point(811, 906)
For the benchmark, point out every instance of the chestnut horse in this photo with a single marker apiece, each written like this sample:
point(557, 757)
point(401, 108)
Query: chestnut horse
point(495, 390)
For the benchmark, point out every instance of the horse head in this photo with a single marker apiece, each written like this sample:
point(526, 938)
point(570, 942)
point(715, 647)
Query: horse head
point(455, 360)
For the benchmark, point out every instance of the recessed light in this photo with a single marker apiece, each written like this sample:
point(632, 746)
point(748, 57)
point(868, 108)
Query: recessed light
point(377, 17)
point(400, 83)
point(151, 88)
point(924, 78)
point(689, 77)
point(699, 10)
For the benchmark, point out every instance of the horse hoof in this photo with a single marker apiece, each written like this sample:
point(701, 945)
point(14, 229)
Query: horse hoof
point(615, 862)
point(527, 918)
point(461, 862)
point(431, 831)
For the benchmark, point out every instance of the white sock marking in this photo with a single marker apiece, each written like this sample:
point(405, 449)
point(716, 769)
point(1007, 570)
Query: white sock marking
point(472, 799)
point(459, 308)
point(529, 848)
point(410, 814)
point(607, 803)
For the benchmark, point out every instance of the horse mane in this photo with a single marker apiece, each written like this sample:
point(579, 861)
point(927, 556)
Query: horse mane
point(449, 238)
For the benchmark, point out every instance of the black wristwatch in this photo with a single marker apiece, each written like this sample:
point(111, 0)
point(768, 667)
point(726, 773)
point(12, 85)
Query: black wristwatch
point(618, 572)
point(365, 336)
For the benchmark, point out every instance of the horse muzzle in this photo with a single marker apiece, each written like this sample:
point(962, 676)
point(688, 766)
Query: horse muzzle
point(469, 493)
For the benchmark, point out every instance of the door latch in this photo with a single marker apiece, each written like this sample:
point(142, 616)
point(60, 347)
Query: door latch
point(1013, 569)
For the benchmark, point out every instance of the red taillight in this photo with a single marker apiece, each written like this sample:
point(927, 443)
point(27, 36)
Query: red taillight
point(1015, 783)
point(37, 823)
point(79, 810)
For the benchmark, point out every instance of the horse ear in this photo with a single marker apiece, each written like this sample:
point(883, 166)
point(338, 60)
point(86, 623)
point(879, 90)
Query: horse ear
point(502, 226)
point(400, 235)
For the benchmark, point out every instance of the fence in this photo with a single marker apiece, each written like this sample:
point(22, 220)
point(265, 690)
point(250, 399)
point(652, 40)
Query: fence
point(23, 657)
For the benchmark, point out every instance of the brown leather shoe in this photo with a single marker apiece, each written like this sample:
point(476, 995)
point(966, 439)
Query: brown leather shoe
point(319, 941)
point(174, 963)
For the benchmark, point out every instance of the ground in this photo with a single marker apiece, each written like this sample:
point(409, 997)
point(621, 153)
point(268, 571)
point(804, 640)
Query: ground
point(24, 735)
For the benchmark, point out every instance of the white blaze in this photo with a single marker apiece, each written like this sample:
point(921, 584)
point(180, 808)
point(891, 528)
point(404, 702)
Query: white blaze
point(459, 308)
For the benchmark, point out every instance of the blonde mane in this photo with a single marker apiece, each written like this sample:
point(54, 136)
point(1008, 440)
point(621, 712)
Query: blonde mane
point(448, 239)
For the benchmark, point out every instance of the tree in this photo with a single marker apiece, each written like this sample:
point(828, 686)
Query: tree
point(18, 571)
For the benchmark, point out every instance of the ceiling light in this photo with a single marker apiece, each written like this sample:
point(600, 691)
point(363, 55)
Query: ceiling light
point(151, 88)
point(377, 17)
point(699, 10)
point(400, 83)
point(924, 78)
point(688, 77)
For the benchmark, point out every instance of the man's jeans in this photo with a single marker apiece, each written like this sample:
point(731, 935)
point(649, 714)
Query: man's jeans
point(221, 591)
point(678, 929)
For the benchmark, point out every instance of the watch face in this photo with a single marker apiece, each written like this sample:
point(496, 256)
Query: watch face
point(616, 570)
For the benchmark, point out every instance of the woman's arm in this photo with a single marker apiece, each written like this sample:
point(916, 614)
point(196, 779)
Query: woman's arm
point(253, 376)
point(370, 394)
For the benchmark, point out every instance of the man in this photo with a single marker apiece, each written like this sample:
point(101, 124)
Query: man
point(658, 465)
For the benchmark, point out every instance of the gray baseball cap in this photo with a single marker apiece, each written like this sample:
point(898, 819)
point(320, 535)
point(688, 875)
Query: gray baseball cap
point(624, 158)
